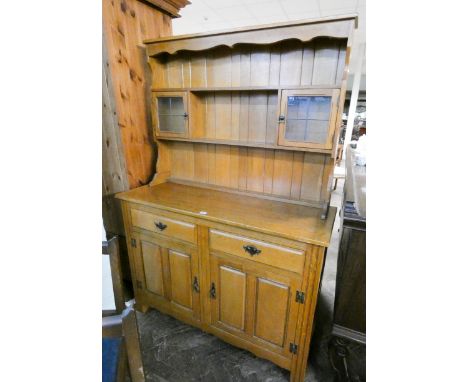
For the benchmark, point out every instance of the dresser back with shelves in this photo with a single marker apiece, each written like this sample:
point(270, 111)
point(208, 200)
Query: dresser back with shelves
point(254, 110)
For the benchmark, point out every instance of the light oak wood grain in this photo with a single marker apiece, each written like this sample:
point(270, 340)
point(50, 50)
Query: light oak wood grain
point(284, 174)
point(181, 278)
point(243, 250)
point(153, 267)
point(231, 284)
point(277, 256)
point(173, 228)
point(271, 311)
point(304, 223)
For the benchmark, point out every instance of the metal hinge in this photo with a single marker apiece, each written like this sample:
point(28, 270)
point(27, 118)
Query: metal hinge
point(293, 348)
point(139, 284)
point(133, 241)
point(300, 297)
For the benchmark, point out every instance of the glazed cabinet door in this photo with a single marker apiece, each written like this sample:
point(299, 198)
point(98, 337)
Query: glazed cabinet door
point(308, 117)
point(255, 304)
point(170, 114)
point(167, 275)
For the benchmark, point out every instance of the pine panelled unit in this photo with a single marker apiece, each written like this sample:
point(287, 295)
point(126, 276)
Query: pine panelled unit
point(231, 234)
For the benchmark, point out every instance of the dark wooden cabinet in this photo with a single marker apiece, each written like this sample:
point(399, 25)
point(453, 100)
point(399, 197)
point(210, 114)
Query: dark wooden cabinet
point(347, 347)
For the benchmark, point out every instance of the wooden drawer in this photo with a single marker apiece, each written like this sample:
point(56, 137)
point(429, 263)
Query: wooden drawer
point(167, 226)
point(267, 253)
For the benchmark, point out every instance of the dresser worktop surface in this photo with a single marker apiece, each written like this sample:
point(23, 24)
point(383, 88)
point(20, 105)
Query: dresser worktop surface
point(291, 221)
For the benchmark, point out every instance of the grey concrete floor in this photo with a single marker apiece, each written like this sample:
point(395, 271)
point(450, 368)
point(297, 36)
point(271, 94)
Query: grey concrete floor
point(175, 352)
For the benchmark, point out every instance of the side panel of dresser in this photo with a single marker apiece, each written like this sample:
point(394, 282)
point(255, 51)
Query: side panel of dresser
point(165, 273)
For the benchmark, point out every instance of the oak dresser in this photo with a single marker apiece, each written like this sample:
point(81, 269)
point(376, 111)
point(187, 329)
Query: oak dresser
point(231, 234)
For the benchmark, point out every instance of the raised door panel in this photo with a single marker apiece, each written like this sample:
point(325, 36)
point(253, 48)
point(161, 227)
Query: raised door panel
point(181, 275)
point(228, 295)
point(152, 258)
point(276, 310)
point(183, 279)
point(232, 285)
point(271, 311)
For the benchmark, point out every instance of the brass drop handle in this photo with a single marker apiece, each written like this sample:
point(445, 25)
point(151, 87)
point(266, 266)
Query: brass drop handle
point(213, 291)
point(161, 226)
point(196, 287)
point(252, 250)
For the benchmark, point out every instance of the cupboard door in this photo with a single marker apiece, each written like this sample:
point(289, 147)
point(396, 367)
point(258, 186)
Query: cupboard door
point(308, 118)
point(148, 263)
point(228, 295)
point(170, 114)
point(167, 275)
point(256, 305)
point(184, 281)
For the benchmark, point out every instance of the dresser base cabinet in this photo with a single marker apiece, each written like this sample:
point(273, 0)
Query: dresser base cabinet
point(250, 281)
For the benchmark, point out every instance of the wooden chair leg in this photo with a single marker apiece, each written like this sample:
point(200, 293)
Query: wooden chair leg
point(132, 345)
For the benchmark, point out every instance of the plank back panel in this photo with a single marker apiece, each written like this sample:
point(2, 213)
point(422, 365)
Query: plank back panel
point(243, 116)
point(287, 63)
point(290, 175)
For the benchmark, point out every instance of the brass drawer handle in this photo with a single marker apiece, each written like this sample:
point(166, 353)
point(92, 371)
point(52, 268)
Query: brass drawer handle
point(161, 226)
point(252, 250)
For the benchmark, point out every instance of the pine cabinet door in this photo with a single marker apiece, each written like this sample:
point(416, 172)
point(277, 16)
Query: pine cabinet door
point(256, 305)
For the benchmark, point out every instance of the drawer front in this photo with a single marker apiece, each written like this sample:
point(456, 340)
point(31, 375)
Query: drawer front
point(164, 225)
point(260, 251)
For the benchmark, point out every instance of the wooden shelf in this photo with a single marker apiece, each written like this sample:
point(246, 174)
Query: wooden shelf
point(243, 88)
point(244, 144)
